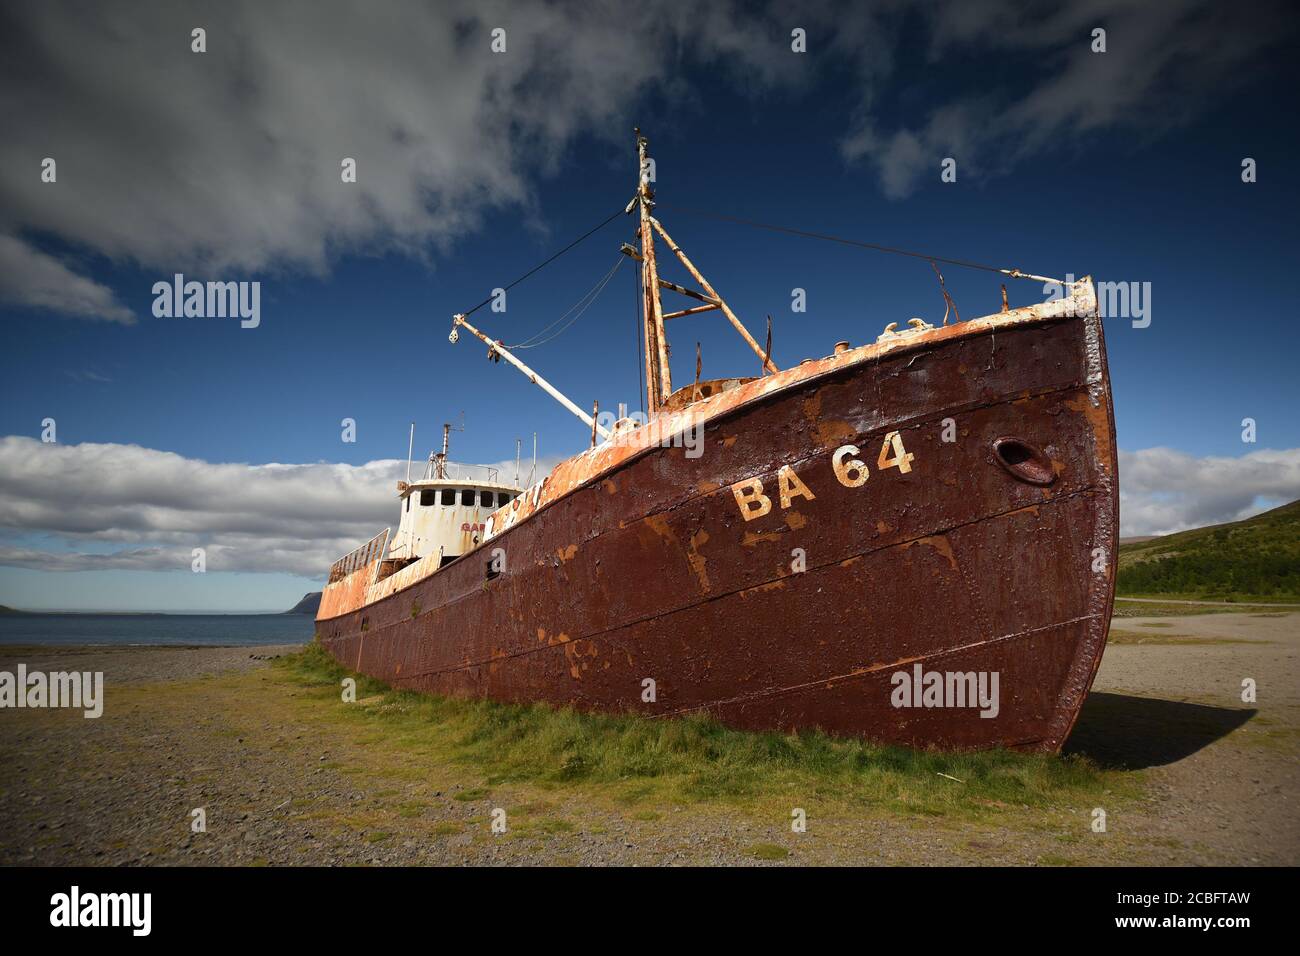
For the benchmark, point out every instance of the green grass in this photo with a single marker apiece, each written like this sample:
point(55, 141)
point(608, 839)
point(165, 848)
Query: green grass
point(1257, 559)
point(635, 760)
point(768, 851)
point(1142, 609)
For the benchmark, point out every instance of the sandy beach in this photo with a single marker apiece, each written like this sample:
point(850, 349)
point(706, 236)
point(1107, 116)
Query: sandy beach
point(222, 730)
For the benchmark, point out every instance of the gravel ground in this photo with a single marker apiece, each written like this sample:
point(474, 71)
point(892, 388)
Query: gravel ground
point(1220, 776)
point(142, 663)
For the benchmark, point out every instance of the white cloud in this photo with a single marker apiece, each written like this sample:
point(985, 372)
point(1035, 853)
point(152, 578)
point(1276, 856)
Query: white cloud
point(273, 517)
point(1163, 490)
point(127, 507)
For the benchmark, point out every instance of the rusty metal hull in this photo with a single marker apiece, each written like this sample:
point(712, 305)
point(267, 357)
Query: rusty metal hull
point(643, 566)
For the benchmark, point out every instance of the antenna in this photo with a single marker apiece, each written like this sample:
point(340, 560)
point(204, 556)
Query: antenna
point(533, 474)
point(519, 445)
point(410, 447)
point(447, 429)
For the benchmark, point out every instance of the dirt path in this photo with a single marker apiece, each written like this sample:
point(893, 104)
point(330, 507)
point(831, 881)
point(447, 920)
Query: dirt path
point(280, 786)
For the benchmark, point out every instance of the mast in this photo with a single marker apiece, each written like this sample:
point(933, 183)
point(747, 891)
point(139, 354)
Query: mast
point(659, 383)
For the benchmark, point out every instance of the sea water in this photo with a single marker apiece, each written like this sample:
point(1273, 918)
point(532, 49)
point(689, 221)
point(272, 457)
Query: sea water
point(208, 629)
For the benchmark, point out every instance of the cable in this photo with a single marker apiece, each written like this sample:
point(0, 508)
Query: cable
point(1015, 273)
point(585, 235)
point(586, 301)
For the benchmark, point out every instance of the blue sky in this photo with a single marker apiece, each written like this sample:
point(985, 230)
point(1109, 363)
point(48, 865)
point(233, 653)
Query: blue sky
point(1152, 192)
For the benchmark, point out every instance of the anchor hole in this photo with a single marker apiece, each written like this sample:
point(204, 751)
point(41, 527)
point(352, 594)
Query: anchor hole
point(1024, 461)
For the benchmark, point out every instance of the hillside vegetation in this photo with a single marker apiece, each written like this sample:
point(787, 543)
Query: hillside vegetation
point(1256, 559)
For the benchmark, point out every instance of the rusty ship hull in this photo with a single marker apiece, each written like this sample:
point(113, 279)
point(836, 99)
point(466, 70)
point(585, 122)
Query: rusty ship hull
point(633, 563)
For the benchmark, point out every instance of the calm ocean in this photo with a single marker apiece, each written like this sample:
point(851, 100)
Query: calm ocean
point(156, 628)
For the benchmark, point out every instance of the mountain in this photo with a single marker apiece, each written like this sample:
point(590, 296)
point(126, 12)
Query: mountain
point(309, 604)
point(1258, 558)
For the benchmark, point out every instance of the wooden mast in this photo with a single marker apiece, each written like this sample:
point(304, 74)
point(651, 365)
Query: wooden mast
point(659, 383)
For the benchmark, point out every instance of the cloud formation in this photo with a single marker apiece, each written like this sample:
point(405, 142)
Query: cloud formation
point(228, 162)
point(1163, 490)
point(125, 507)
point(1163, 63)
point(33, 278)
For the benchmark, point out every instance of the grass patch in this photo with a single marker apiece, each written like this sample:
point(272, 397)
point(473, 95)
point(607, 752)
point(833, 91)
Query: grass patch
point(768, 851)
point(1257, 559)
point(694, 760)
point(1142, 609)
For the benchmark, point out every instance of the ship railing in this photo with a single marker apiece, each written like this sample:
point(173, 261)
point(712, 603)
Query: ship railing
point(373, 549)
point(457, 471)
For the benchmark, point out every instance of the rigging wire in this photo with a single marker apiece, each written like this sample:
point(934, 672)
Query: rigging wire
point(586, 235)
point(1015, 273)
point(585, 302)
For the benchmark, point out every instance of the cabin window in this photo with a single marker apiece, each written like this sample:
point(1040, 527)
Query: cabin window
point(408, 502)
point(486, 499)
point(467, 497)
point(448, 497)
point(428, 498)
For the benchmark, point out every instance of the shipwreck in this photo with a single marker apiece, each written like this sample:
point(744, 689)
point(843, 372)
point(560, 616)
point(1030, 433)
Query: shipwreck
point(935, 509)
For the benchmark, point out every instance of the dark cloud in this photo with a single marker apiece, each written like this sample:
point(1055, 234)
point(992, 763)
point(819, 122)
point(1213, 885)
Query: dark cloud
point(228, 161)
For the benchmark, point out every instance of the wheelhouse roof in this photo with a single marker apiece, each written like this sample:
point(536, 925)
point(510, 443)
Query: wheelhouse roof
point(425, 484)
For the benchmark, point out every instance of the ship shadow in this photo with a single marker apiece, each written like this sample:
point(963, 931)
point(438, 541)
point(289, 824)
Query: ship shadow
point(1122, 732)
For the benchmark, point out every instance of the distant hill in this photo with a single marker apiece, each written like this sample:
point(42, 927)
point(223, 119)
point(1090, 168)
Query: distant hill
point(1258, 558)
point(8, 610)
point(309, 604)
